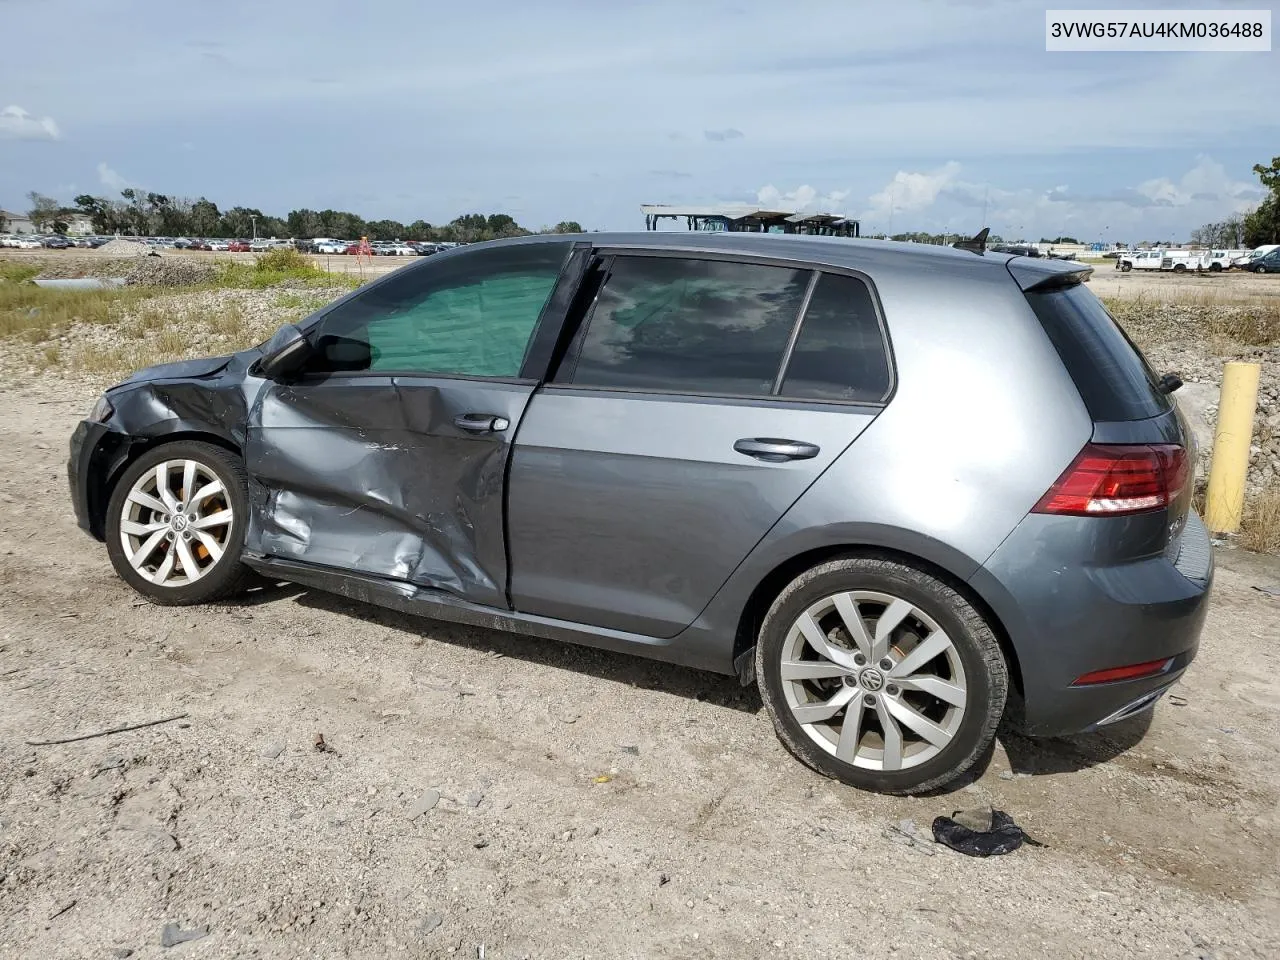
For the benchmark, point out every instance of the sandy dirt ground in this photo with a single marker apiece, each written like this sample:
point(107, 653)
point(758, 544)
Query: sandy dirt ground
point(589, 804)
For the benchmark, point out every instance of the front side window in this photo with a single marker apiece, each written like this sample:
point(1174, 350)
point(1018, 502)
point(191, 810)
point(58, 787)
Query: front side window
point(471, 315)
point(690, 326)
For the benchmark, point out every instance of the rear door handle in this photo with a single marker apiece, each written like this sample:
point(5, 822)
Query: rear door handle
point(481, 423)
point(772, 450)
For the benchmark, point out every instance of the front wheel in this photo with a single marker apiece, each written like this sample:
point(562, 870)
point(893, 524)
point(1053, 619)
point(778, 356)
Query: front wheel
point(881, 676)
point(1260, 269)
point(1126, 267)
point(176, 524)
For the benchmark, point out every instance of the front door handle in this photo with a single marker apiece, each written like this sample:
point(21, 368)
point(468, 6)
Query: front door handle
point(481, 423)
point(772, 450)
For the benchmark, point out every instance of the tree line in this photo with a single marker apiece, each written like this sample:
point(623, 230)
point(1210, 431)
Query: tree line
point(143, 213)
point(1253, 229)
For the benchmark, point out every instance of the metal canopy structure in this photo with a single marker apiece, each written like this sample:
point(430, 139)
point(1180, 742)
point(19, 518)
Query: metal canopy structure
point(744, 218)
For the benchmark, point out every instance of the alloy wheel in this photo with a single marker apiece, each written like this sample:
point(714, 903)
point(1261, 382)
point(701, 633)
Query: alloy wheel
point(873, 680)
point(176, 522)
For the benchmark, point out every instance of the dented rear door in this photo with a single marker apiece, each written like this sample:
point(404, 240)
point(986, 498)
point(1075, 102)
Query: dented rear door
point(388, 455)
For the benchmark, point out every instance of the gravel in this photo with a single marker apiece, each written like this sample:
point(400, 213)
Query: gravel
point(170, 272)
point(123, 248)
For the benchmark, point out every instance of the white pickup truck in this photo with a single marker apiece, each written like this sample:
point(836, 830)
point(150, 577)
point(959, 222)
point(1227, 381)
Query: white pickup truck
point(1220, 260)
point(1179, 261)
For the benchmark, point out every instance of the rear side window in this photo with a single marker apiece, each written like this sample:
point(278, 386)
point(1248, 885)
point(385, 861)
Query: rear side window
point(840, 352)
point(690, 326)
point(1113, 378)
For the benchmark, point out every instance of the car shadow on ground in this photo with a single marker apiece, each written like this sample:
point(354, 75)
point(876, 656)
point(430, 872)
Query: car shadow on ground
point(261, 592)
point(723, 691)
point(1038, 757)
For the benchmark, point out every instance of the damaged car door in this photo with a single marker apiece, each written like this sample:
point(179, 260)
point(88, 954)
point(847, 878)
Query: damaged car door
point(386, 454)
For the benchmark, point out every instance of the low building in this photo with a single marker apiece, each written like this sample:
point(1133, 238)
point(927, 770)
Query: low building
point(15, 223)
point(746, 218)
point(78, 225)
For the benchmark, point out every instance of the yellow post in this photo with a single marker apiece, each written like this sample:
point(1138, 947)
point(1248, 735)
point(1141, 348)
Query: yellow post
point(1230, 465)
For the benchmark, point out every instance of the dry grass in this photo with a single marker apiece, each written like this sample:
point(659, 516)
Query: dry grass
point(1260, 526)
point(280, 268)
point(36, 314)
point(105, 334)
point(163, 330)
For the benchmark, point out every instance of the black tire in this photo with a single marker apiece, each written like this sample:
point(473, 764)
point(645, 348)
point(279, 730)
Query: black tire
point(1259, 269)
point(1215, 268)
point(976, 645)
point(1179, 268)
point(227, 576)
point(1126, 267)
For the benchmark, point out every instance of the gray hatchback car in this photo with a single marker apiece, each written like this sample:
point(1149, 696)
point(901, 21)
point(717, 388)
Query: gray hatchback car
point(907, 490)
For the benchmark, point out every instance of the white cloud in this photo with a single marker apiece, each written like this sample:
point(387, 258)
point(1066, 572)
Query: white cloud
point(909, 192)
point(803, 199)
point(17, 124)
point(110, 179)
point(1206, 181)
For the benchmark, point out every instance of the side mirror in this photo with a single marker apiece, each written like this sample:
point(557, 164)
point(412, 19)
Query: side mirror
point(284, 355)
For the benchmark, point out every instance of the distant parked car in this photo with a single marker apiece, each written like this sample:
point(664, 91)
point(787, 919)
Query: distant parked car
point(26, 243)
point(238, 246)
point(329, 245)
point(219, 244)
point(1246, 261)
point(1017, 249)
point(1267, 263)
point(56, 243)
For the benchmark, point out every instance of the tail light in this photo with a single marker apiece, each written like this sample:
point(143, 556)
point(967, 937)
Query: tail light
point(1114, 480)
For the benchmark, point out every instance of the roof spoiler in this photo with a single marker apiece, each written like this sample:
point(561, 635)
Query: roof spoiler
point(977, 244)
point(1043, 275)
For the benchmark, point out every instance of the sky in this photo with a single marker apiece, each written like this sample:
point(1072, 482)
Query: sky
point(912, 115)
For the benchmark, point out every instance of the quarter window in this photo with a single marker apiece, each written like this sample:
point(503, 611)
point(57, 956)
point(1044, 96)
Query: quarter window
point(690, 326)
point(839, 353)
point(468, 315)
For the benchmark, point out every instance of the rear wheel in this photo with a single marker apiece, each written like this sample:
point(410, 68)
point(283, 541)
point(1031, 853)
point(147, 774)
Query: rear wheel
point(176, 523)
point(1179, 268)
point(1126, 267)
point(881, 676)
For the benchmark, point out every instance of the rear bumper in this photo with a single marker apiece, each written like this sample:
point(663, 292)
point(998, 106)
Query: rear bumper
point(1067, 614)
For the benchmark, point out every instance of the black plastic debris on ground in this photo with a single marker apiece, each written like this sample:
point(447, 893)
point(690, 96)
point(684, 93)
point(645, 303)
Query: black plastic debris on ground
point(1001, 835)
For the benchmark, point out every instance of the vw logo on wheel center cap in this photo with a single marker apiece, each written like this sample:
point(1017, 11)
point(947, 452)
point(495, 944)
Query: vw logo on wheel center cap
point(871, 679)
point(178, 522)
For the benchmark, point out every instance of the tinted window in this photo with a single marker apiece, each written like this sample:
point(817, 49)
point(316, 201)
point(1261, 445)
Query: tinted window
point(470, 315)
point(1113, 379)
point(695, 326)
point(839, 354)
